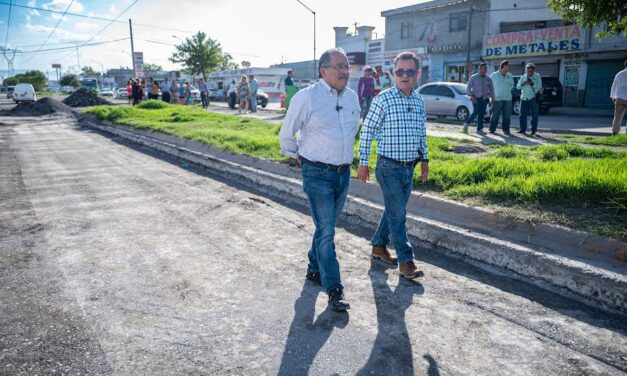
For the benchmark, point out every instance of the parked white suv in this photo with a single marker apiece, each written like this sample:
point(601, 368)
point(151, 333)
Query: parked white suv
point(24, 92)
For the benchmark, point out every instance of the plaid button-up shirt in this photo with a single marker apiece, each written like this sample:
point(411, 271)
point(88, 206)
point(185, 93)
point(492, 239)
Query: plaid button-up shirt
point(398, 124)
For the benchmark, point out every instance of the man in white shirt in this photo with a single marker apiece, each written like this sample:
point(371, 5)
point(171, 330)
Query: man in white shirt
point(325, 116)
point(619, 97)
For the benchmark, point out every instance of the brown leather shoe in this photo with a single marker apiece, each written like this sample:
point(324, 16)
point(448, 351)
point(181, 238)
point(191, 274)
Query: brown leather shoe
point(381, 252)
point(408, 270)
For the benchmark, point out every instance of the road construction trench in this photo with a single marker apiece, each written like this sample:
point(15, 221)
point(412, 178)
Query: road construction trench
point(118, 259)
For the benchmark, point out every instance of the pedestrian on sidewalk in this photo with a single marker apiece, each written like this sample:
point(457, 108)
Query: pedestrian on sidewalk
point(619, 97)
point(530, 85)
point(503, 82)
point(480, 90)
point(188, 94)
point(129, 91)
point(165, 91)
point(243, 91)
point(182, 93)
point(174, 93)
point(397, 121)
point(325, 115)
point(137, 92)
point(288, 80)
point(204, 93)
point(231, 94)
point(254, 88)
point(154, 90)
point(365, 90)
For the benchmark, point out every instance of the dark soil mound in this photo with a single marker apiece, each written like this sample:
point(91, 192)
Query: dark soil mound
point(44, 106)
point(83, 98)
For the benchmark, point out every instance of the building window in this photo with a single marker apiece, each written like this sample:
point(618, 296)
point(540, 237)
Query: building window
point(408, 30)
point(459, 21)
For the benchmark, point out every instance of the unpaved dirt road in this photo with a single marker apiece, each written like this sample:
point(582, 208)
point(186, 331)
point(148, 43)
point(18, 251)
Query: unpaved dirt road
point(118, 260)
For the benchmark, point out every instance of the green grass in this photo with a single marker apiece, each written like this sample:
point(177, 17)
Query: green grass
point(565, 177)
point(615, 140)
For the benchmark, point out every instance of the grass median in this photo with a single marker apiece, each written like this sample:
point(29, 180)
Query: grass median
point(581, 187)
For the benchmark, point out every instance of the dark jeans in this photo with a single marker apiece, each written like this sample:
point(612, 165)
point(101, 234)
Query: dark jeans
point(365, 103)
point(327, 191)
point(501, 108)
point(153, 96)
point(478, 111)
point(527, 107)
point(396, 182)
point(165, 96)
point(204, 97)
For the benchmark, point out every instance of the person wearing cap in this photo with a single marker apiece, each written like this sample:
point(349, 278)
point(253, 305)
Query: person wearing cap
point(619, 97)
point(365, 90)
point(325, 116)
point(503, 82)
point(530, 85)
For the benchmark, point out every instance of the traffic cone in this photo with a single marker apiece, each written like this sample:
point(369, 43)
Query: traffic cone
point(282, 100)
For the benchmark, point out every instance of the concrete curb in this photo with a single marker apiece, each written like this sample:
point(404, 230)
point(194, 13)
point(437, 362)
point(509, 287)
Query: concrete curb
point(601, 285)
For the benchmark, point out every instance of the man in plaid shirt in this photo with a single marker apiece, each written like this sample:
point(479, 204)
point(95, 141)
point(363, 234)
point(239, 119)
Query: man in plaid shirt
point(397, 121)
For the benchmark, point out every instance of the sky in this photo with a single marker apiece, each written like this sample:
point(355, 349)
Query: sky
point(261, 32)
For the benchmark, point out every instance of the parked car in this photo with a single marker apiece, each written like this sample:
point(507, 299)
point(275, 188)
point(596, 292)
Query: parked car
point(553, 94)
point(9, 92)
point(262, 99)
point(448, 99)
point(121, 93)
point(24, 92)
point(107, 92)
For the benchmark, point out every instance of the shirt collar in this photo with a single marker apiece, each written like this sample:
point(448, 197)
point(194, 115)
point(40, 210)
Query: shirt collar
point(400, 93)
point(328, 89)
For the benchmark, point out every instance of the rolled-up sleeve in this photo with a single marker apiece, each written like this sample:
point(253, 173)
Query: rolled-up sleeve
point(292, 124)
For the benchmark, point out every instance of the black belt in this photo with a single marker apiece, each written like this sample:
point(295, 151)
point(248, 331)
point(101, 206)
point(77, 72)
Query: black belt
point(339, 169)
point(401, 163)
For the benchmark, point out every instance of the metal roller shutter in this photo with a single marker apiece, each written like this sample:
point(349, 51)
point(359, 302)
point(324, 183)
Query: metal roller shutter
point(599, 83)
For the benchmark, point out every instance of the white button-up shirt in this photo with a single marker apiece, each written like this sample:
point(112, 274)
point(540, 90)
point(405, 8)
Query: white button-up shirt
point(326, 123)
point(619, 86)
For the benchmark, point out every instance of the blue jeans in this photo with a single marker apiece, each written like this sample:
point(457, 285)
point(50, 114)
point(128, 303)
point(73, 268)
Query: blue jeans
point(327, 191)
point(526, 107)
point(479, 112)
point(365, 106)
point(501, 108)
point(253, 102)
point(396, 183)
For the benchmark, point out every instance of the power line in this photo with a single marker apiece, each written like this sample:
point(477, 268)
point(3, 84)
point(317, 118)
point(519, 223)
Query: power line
point(6, 40)
point(63, 49)
point(91, 17)
point(53, 30)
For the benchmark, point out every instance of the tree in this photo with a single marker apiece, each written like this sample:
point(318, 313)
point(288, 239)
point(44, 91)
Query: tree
point(245, 64)
point(198, 54)
point(70, 80)
point(36, 78)
point(589, 13)
point(228, 62)
point(152, 68)
point(89, 71)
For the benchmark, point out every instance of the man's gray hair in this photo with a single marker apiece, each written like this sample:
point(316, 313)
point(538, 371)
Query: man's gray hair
point(407, 55)
point(325, 58)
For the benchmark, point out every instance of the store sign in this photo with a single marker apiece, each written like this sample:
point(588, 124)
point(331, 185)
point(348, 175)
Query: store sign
point(447, 48)
point(138, 62)
point(392, 54)
point(556, 40)
point(356, 58)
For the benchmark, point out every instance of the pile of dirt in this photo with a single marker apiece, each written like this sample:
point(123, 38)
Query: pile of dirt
point(83, 98)
point(44, 106)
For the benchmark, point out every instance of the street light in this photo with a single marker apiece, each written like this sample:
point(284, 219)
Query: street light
point(101, 67)
point(314, 37)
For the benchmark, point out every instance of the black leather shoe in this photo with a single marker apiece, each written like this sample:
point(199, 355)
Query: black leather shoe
point(314, 277)
point(337, 301)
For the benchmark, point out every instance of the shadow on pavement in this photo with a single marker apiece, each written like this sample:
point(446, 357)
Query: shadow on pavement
point(391, 353)
point(306, 336)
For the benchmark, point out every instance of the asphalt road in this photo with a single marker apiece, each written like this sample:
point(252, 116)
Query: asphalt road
point(118, 260)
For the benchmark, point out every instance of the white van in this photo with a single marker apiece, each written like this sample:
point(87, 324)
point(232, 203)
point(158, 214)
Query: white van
point(24, 92)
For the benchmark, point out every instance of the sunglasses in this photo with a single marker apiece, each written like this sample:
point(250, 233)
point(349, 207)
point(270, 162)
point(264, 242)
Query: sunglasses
point(401, 72)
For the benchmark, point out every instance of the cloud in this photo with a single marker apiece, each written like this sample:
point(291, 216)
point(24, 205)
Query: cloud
point(59, 34)
point(61, 5)
point(112, 8)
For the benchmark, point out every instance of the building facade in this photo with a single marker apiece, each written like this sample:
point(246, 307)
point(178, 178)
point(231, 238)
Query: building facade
point(446, 35)
point(531, 32)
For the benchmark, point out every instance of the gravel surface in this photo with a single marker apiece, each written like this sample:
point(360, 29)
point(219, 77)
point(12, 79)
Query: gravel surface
point(118, 260)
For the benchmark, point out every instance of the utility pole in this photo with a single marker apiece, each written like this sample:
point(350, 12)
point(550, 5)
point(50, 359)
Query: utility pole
point(468, 63)
point(315, 76)
point(130, 26)
point(78, 62)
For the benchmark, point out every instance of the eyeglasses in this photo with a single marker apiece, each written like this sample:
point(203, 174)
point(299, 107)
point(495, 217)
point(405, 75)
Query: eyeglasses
point(338, 66)
point(401, 72)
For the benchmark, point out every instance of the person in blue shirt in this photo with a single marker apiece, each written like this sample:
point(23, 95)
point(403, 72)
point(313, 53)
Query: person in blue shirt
point(397, 121)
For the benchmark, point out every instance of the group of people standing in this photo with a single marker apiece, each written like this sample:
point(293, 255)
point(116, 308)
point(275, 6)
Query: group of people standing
point(371, 84)
point(497, 89)
point(246, 91)
point(326, 118)
point(170, 92)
